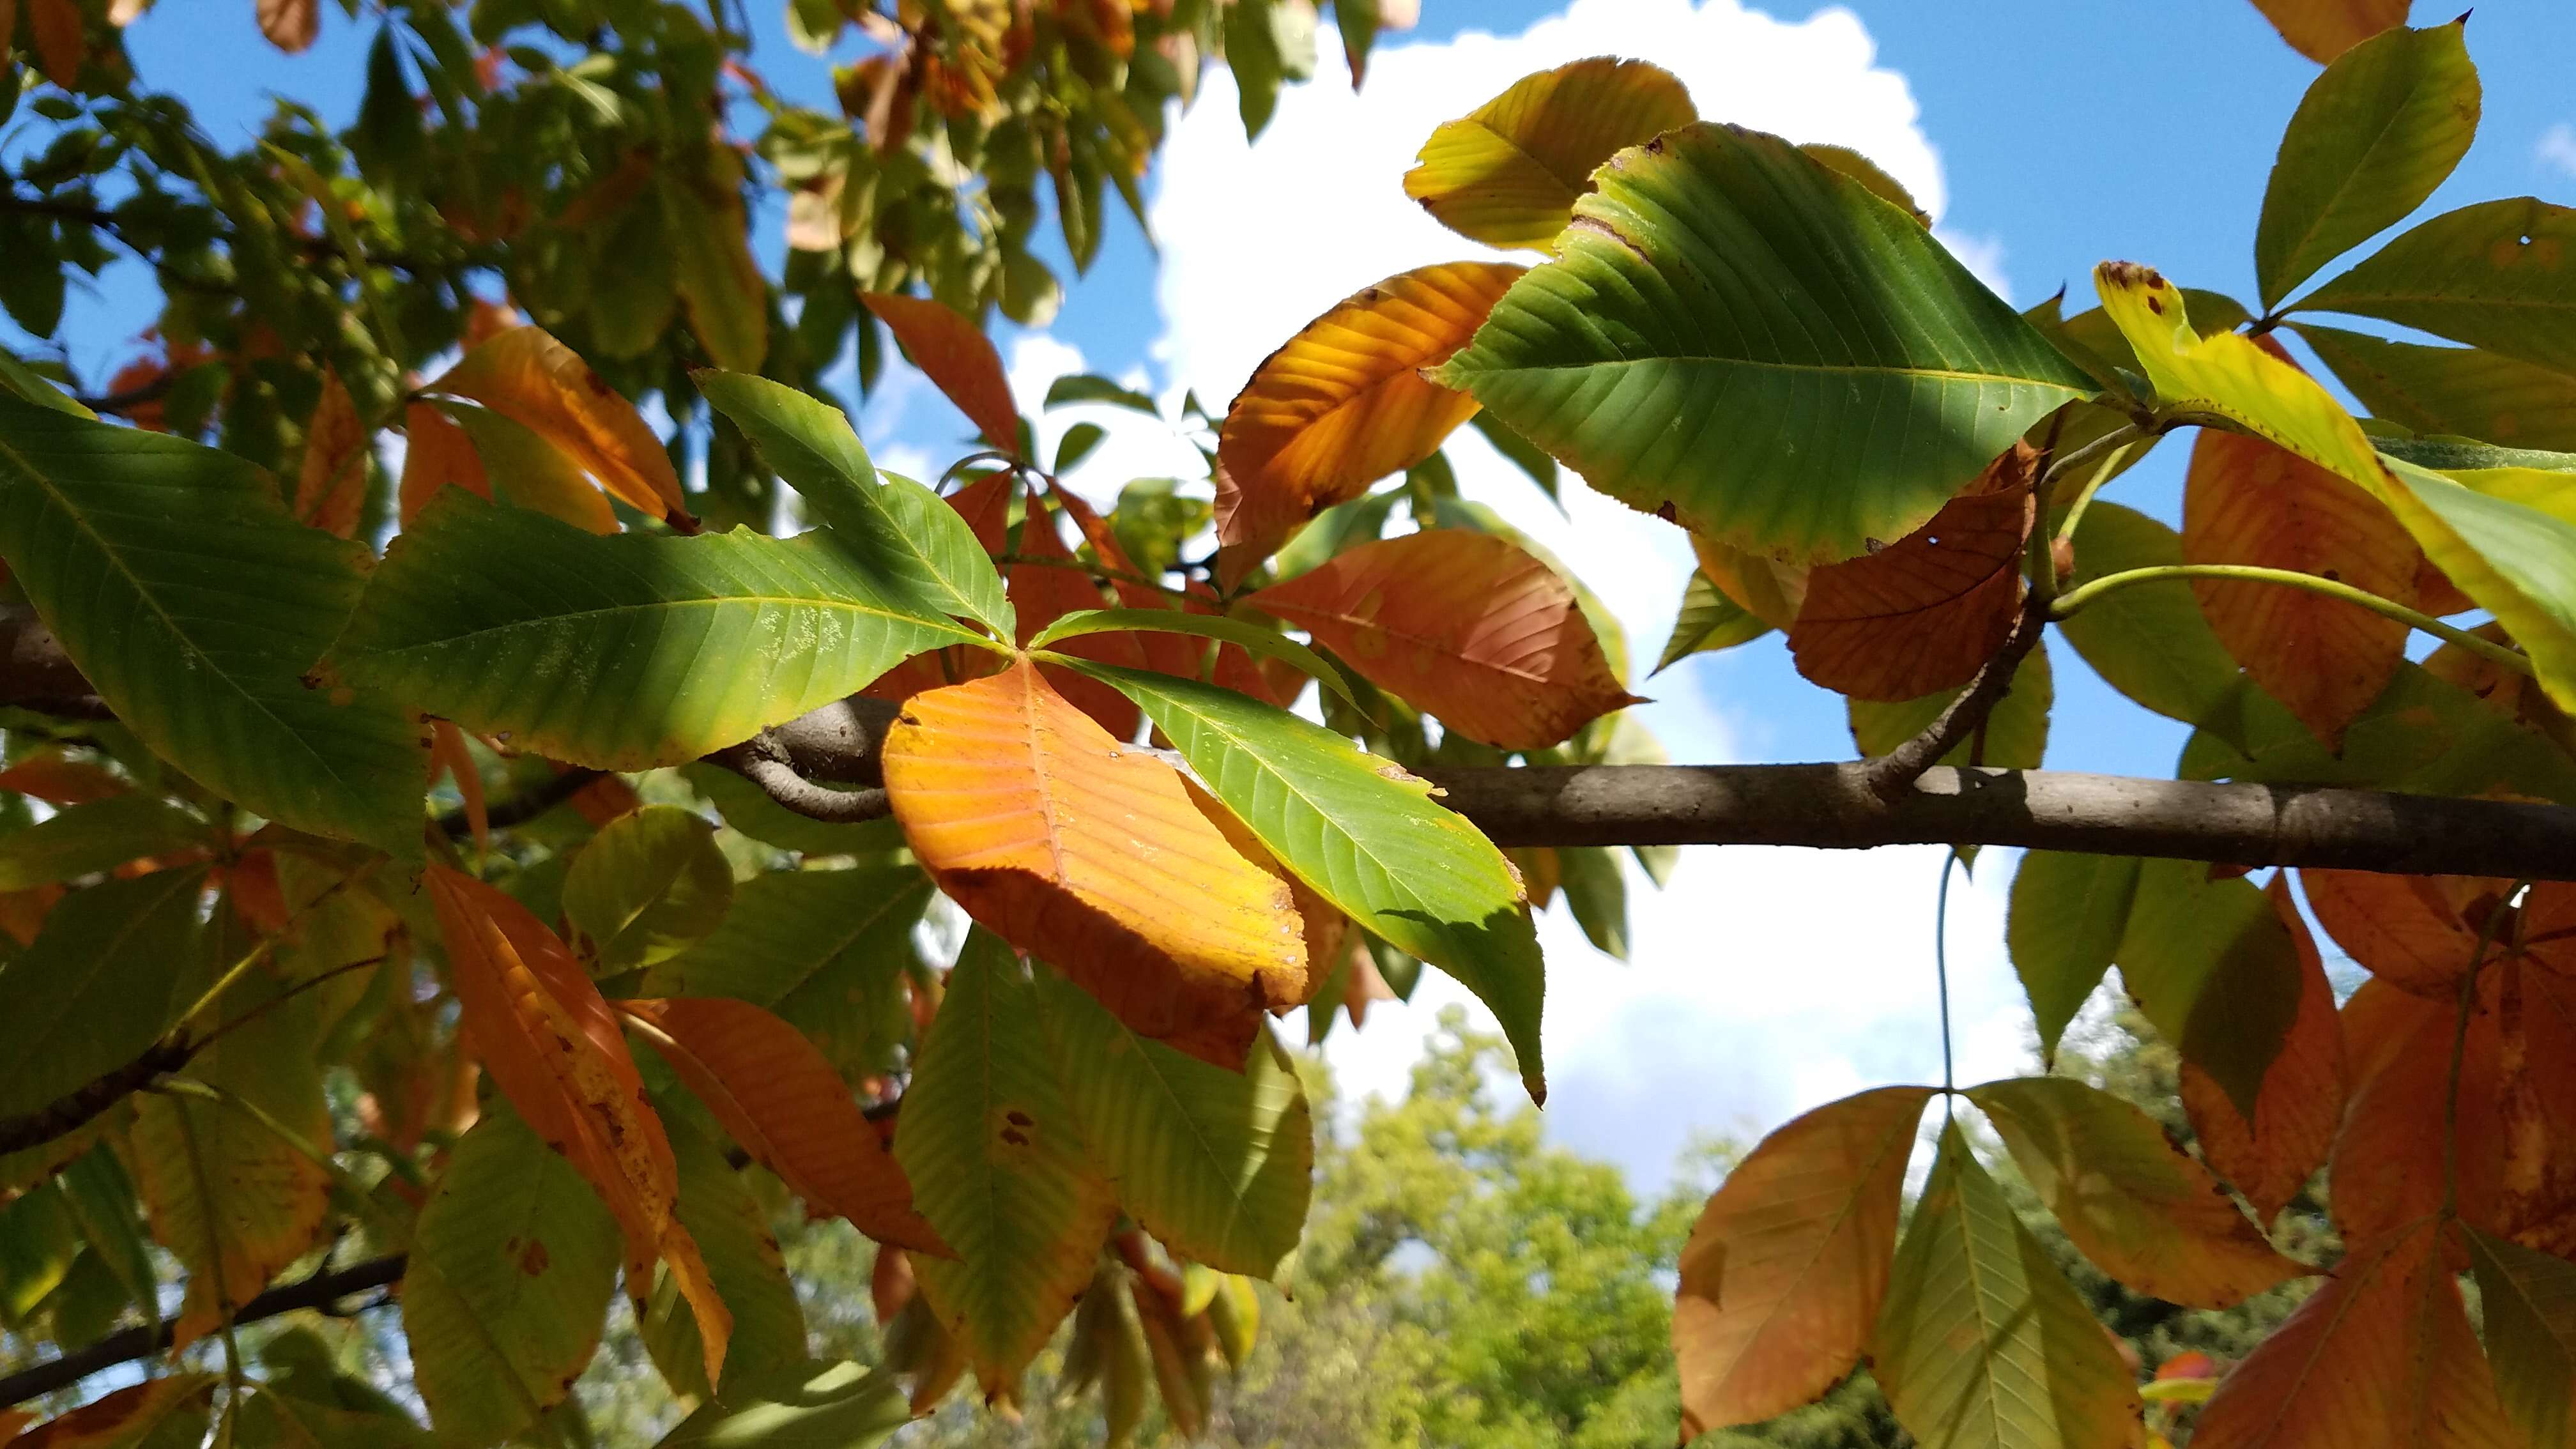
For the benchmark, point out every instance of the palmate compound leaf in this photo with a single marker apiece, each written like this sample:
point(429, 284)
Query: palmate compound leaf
point(2504, 536)
point(2373, 136)
point(1365, 836)
point(527, 376)
point(2529, 1302)
point(2146, 1213)
point(2215, 971)
point(620, 653)
point(195, 606)
point(998, 1166)
point(1744, 340)
point(1466, 626)
point(907, 535)
point(2324, 29)
point(958, 359)
point(1509, 172)
point(780, 1098)
point(1069, 843)
point(2381, 1357)
point(1983, 1344)
point(1216, 1164)
point(1344, 403)
point(2270, 1154)
point(511, 1269)
point(551, 1044)
point(1786, 1270)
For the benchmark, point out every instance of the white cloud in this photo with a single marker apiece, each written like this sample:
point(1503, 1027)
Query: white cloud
point(2557, 148)
point(1765, 981)
point(1982, 253)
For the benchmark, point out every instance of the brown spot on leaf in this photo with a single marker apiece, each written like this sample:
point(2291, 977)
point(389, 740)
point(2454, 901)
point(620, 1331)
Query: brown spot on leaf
point(533, 1258)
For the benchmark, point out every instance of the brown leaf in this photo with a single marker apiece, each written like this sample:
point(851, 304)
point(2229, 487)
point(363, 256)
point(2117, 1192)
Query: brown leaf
point(290, 25)
point(60, 48)
point(2301, 1103)
point(958, 359)
point(1467, 626)
point(2248, 501)
point(1921, 615)
point(2417, 932)
point(331, 486)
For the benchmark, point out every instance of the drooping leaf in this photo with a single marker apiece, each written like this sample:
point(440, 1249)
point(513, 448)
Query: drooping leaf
point(194, 605)
point(1785, 1273)
point(527, 376)
point(2214, 969)
point(2490, 275)
point(1214, 1163)
point(1925, 613)
point(2248, 502)
point(98, 835)
point(2463, 391)
point(2271, 1154)
point(167, 1411)
point(552, 1045)
point(290, 25)
point(731, 1228)
point(1509, 172)
point(620, 653)
point(2149, 1215)
point(794, 1406)
point(649, 884)
point(2529, 1302)
point(779, 1097)
point(2068, 914)
point(950, 350)
point(2374, 135)
point(998, 1167)
point(1067, 842)
point(510, 1272)
point(1365, 836)
point(2324, 29)
point(1709, 621)
point(1346, 402)
point(1465, 626)
point(905, 533)
point(1727, 331)
point(1983, 1344)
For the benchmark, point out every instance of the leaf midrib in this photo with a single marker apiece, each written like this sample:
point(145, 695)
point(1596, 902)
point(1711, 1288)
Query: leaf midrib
point(1936, 374)
point(578, 616)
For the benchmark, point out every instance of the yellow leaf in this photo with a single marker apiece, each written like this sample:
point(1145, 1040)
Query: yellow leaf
point(1091, 854)
point(1508, 173)
point(552, 1045)
point(1344, 403)
point(527, 376)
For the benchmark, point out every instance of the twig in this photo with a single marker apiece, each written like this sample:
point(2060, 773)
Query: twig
point(523, 807)
point(764, 763)
point(1892, 774)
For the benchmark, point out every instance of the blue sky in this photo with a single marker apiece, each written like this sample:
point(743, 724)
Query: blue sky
point(2047, 136)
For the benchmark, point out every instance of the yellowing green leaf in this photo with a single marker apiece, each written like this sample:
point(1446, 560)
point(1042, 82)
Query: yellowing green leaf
point(98, 835)
point(2324, 29)
point(527, 376)
point(732, 1230)
point(2214, 969)
point(719, 279)
point(2463, 391)
point(841, 1405)
point(2492, 275)
point(645, 887)
point(1509, 172)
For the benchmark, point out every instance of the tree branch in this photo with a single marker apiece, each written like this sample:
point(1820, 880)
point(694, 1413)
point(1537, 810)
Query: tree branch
point(127, 1345)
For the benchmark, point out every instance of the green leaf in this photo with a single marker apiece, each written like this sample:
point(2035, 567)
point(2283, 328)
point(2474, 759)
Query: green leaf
point(1269, 643)
point(1728, 333)
point(31, 385)
point(99, 835)
point(823, 950)
point(270, 1416)
point(635, 283)
point(1365, 836)
point(1596, 890)
point(647, 886)
point(748, 809)
point(1216, 1164)
point(196, 606)
point(899, 530)
point(2215, 971)
point(387, 137)
point(2530, 1303)
point(2067, 916)
point(106, 978)
point(1153, 520)
point(2374, 135)
point(718, 278)
point(2459, 455)
point(1076, 445)
point(623, 652)
point(508, 1284)
point(2015, 736)
point(1083, 387)
point(800, 1406)
point(2454, 390)
point(2507, 537)
point(998, 1167)
point(2493, 275)
point(2150, 641)
point(1358, 22)
point(2423, 735)
point(732, 1233)
point(1983, 1344)
point(1709, 621)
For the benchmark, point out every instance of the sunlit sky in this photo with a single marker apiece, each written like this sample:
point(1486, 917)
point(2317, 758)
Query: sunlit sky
point(2044, 136)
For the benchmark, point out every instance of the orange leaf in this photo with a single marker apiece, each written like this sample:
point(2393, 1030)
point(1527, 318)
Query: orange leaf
point(331, 487)
point(130, 1415)
point(2413, 931)
point(56, 780)
point(605, 799)
point(290, 25)
point(527, 376)
point(782, 1100)
point(1921, 615)
point(1784, 1274)
point(1044, 593)
point(1091, 854)
point(1344, 403)
point(2536, 1108)
point(2248, 501)
point(436, 453)
point(958, 359)
point(2381, 1357)
point(2301, 1101)
point(22, 913)
point(2549, 926)
point(448, 755)
point(1467, 626)
point(552, 1045)
point(2324, 29)
point(60, 49)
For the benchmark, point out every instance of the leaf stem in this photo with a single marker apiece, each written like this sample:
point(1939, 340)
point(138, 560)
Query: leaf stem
point(2487, 649)
point(1941, 980)
point(2092, 485)
point(2459, 1052)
